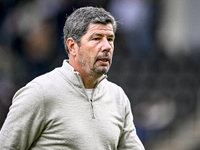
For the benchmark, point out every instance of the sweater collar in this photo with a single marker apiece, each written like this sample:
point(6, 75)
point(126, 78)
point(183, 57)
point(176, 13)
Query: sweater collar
point(73, 76)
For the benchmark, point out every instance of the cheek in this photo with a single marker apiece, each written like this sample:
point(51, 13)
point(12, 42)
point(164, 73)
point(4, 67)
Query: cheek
point(112, 51)
point(91, 51)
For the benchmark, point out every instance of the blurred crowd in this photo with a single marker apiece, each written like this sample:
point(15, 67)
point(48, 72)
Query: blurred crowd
point(31, 44)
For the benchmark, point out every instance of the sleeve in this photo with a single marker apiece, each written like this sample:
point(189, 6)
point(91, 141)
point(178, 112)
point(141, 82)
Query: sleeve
point(25, 120)
point(129, 139)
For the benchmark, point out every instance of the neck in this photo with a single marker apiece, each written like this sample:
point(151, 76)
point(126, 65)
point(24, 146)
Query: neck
point(89, 80)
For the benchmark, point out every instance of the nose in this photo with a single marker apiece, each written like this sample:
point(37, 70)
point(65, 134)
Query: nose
point(106, 45)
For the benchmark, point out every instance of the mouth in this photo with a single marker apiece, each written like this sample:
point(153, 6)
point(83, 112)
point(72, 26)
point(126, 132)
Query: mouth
point(104, 60)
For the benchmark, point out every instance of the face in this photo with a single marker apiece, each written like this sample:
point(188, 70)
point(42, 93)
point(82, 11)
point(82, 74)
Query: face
point(94, 56)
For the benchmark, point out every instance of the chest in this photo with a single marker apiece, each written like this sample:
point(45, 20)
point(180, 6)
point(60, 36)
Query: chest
point(78, 121)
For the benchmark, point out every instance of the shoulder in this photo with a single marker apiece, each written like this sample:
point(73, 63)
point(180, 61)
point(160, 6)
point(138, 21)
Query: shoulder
point(29, 95)
point(113, 87)
point(48, 82)
point(35, 90)
point(116, 91)
point(47, 78)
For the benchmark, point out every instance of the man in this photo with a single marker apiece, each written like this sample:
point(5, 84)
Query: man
point(75, 107)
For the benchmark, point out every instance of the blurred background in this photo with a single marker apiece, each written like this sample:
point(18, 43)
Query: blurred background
point(156, 60)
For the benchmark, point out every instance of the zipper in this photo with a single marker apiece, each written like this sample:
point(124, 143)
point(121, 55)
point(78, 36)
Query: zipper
point(92, 108)
point(91, 101)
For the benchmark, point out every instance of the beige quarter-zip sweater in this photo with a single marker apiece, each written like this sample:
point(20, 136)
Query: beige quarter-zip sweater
point(53, 112)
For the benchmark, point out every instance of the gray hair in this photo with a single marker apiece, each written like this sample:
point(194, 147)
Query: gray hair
point(77, 23)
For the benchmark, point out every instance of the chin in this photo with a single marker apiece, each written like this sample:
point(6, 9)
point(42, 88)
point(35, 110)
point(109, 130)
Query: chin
point(102, 71)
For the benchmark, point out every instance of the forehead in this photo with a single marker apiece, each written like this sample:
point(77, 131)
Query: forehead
point(102, 28)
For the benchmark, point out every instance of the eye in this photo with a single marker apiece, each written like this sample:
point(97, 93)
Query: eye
point(96, 39)
point(110, 39)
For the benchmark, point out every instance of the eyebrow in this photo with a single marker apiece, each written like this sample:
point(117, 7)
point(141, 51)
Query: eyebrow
point(97, 34)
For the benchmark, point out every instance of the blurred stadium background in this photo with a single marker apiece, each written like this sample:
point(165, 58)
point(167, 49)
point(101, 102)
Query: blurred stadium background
point(156, 60)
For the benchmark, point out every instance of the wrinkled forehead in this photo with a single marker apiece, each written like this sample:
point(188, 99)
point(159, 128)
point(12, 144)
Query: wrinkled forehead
point(99, 27)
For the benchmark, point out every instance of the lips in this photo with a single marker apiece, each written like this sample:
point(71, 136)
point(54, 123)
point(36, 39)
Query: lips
point(104, 59)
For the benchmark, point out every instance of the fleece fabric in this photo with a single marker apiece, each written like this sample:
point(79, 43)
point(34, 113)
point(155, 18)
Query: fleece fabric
point(53, 112)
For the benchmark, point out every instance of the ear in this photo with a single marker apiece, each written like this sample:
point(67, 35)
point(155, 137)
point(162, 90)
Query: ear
point(71, 44)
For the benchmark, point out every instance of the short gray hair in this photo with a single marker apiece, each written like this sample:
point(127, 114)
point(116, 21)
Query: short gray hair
point(77, 23)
